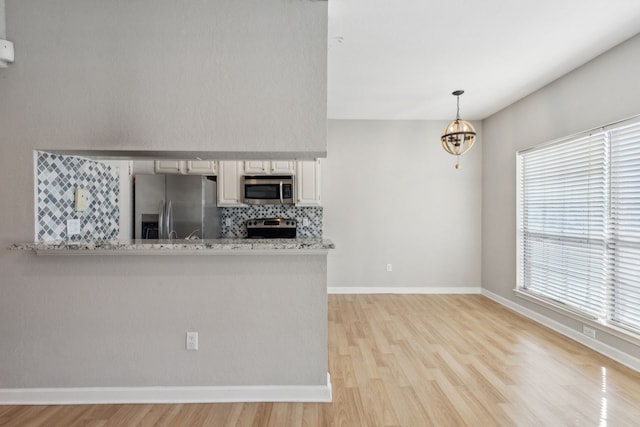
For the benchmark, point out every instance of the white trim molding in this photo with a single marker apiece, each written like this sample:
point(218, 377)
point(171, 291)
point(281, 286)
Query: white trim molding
point(403, 290)
point(135, 395)
point(602, 348)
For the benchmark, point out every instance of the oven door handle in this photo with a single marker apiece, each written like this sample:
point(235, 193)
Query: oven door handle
point(281, 198)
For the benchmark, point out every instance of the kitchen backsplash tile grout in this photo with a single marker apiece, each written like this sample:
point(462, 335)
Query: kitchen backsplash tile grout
point(57, 179)
point(239, 216)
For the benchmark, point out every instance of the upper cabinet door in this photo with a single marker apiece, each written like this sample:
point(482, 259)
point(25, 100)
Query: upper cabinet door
point(265, 167)
point(229, 176)
point(189, 167)
point(201, 167)
point(256, 167)
point(308, 183)
point(169, 166)
point(283, 167)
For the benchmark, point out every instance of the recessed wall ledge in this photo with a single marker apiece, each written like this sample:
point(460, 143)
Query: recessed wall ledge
point(190, 155)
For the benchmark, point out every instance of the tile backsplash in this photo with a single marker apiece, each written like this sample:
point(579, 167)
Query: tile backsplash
point(57, 178)
point(238, 217)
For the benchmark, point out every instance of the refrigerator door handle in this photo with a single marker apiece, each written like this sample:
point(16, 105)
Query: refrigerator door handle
point(169, 219)
point(161, 221)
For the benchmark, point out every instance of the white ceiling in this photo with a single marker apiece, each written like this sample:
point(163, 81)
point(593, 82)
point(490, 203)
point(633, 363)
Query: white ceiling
point(401, 59)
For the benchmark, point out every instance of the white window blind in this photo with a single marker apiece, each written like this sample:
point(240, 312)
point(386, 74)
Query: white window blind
point(579, 225)
point(624, 305)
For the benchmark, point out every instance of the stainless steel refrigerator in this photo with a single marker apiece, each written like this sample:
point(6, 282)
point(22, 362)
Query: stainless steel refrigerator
point(175, 206)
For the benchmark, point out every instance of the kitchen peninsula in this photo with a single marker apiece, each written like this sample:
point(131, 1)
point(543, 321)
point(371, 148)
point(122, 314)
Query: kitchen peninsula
point(258, 306)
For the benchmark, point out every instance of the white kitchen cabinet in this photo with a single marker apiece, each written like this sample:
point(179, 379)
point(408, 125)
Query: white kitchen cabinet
point(308, 183)
point(282, 167)
point(307, 176)
point(229, 176)
point(201, 167)
point(266, 167)
point(169, 166)
point(256, 167)
point(188, 167)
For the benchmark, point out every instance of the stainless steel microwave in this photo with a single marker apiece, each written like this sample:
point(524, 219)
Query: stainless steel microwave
point(268, 189)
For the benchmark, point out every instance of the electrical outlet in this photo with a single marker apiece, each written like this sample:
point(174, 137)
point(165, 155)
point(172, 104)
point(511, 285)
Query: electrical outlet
point(227, 222)
point(73, 227)
point(192, 340)
point(305, 222)
point(389, 267)
point(590, 332)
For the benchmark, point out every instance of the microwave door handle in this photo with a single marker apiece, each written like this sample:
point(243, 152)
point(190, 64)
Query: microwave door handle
point(281, 198)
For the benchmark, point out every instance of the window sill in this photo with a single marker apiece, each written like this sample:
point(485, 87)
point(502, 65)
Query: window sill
point(585, 319)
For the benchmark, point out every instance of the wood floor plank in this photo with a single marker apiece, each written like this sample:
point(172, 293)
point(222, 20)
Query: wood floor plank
point(414, 360)
point(377, 401)
point(160, 415)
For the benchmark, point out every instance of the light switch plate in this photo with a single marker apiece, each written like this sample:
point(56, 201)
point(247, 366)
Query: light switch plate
point(6, 51)
point(82, 199)
point(73, 227)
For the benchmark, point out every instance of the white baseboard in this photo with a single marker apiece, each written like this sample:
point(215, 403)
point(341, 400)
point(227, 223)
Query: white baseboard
point(602, 348)
point(132, 395)
point(402, 290)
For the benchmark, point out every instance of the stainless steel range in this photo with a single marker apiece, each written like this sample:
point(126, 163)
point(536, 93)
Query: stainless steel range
point(271, 228)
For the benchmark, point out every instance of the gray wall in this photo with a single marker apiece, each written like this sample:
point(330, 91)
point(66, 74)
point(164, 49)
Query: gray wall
point(602, 91)
point(194, 75)
point(392, 195)
point(118, 321)
point(2, 21)
point(161, 75)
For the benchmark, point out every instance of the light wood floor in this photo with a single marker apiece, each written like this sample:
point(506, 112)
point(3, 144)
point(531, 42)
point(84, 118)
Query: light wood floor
point(415, 361)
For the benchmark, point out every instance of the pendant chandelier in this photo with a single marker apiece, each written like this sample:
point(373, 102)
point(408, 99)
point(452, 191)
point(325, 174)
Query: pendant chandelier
point(459, 135)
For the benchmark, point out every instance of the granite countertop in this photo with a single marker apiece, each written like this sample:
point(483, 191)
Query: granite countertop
point(181, 247)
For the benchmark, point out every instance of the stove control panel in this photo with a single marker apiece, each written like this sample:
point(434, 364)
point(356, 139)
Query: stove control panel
point(272, 228)
point(272, 223)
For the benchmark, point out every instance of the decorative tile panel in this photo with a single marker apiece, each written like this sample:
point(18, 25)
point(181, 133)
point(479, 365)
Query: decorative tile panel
point(239, 216)
point(57, 178)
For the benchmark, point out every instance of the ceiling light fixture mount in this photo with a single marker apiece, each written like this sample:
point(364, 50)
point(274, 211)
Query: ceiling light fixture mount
point(459, 135)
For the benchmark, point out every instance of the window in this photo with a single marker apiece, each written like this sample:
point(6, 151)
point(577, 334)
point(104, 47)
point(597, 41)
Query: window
point(579, 225)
